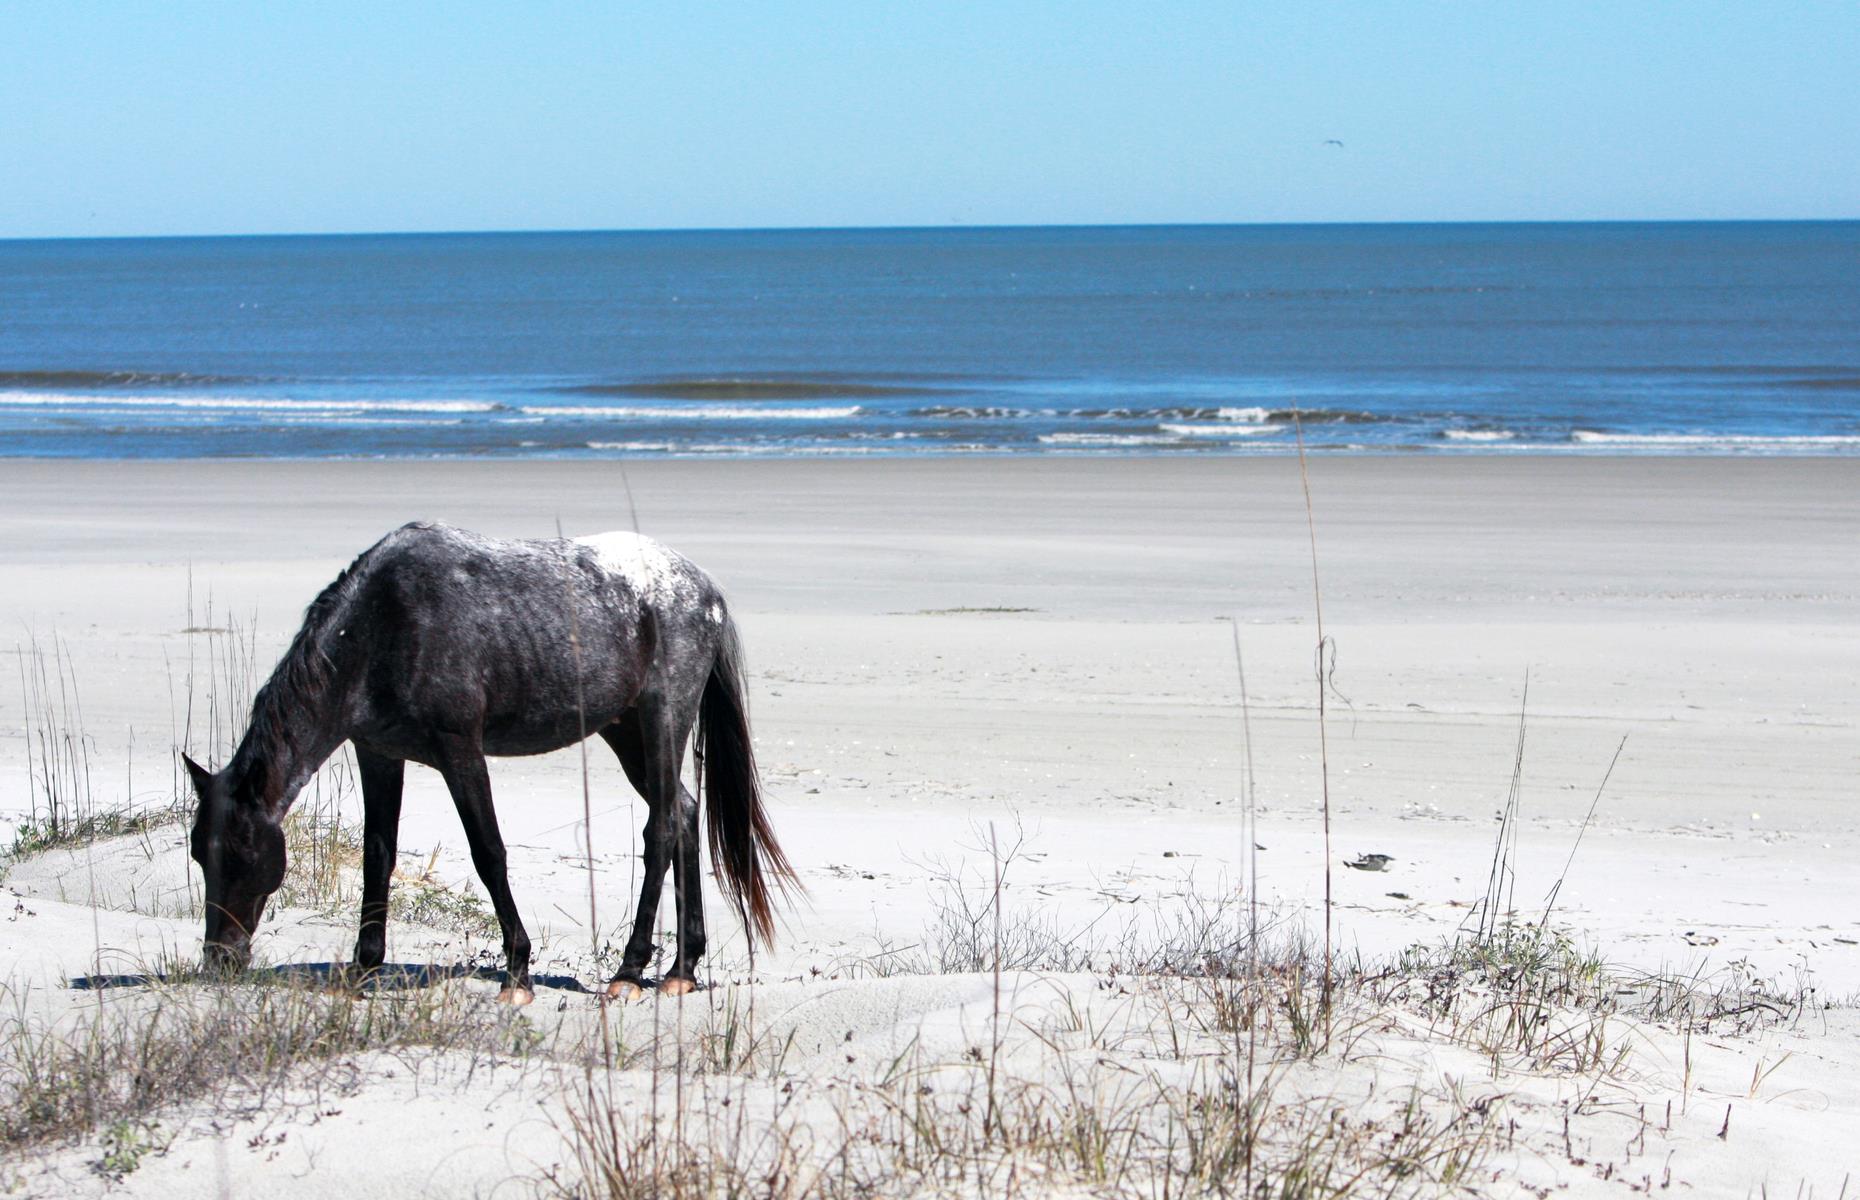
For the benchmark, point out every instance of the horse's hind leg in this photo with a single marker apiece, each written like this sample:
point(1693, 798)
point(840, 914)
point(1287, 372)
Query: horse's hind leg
point(688, 883)
point(381, 789)
point(630, 980)
point(651, 755)
point(461, 761)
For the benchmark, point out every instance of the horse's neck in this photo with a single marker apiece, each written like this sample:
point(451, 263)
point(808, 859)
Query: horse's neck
point(276, 772)
point(289, 738)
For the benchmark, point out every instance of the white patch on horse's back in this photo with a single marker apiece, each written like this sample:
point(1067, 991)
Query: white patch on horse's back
point(716, 612)
point(655, 571)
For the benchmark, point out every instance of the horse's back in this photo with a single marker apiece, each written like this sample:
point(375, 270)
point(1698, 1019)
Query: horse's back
point(436, 557)
point(531, 638)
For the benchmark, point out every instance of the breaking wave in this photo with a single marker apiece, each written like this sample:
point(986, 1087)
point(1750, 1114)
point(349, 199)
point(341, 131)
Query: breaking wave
point(1220, 431)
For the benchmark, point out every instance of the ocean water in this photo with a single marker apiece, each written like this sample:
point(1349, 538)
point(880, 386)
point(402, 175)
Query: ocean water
point(1736, 338)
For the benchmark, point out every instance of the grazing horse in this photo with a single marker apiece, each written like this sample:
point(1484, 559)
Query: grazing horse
point(441, 646)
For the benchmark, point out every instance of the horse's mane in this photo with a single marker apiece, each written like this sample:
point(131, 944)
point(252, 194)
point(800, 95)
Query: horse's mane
point(283, 712)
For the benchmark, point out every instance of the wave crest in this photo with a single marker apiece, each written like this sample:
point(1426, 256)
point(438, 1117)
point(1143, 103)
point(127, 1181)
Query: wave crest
point(1219, 431)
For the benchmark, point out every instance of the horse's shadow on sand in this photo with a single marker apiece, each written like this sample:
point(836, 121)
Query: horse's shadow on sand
point(389, 977)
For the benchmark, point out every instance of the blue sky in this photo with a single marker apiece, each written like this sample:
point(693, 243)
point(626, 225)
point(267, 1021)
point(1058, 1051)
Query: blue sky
point(135, 118)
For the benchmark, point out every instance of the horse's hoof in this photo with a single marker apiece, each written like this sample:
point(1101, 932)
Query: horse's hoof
point(671, 985)
point(516, 997)
point(624, 990)
point(348, 987)
point(351, 978)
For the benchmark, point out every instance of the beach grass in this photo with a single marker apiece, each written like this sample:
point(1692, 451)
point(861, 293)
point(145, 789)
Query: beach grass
point(174, 1037)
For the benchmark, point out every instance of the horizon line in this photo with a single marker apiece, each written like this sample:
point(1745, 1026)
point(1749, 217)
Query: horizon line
point(570, 231)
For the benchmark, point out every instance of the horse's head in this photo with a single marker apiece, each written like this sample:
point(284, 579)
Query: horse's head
point(240, 849)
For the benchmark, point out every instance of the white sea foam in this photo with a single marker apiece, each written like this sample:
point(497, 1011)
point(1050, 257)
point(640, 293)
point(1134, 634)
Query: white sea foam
point(1220, 431)
point(698, 412)
point(1591, 437)
point(1478, 435)
point(1109, 439)
point(1256, 416)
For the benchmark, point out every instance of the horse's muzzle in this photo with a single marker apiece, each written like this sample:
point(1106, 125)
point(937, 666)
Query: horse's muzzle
point(222, 959)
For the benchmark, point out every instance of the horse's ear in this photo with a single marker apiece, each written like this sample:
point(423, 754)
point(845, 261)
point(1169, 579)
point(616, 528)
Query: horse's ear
point(203, 778)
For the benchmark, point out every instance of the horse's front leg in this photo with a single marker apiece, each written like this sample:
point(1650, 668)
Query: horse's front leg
point(382, 779)
point(461, 760)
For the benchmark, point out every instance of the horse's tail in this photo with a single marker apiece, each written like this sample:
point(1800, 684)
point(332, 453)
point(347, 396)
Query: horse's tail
point(743, 850)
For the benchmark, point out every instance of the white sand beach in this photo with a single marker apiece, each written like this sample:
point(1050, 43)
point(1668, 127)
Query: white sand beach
point(942, 651)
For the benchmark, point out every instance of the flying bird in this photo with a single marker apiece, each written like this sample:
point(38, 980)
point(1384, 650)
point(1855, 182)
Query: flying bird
point(1333, 142)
